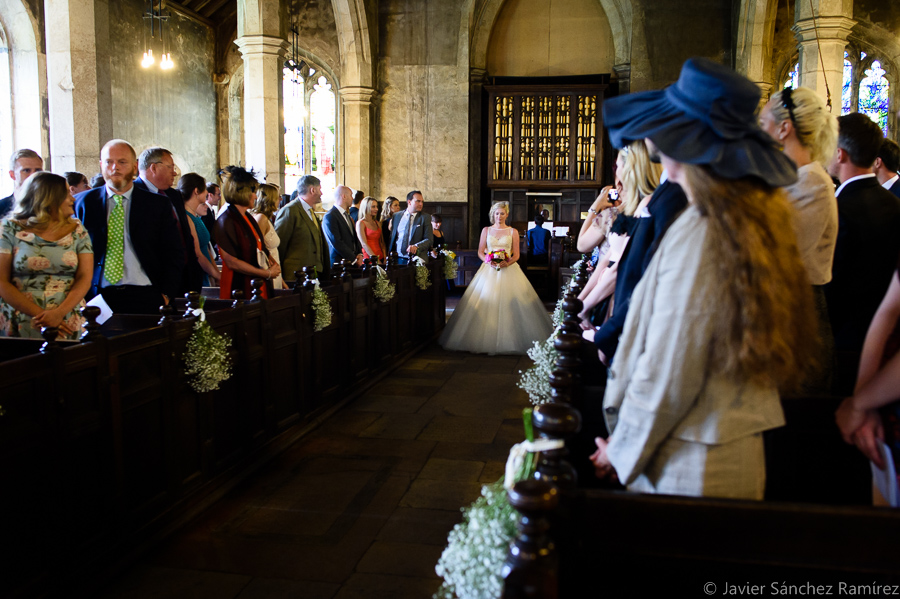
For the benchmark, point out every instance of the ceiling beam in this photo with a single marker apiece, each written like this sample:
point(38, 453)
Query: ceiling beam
point(187, 12)
point(214, 6)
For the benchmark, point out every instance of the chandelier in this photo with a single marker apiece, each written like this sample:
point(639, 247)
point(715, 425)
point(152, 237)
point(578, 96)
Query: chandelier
point(156, 20)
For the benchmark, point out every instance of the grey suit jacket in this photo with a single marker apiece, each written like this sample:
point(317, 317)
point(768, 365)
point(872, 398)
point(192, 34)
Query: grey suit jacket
point(662, 384)
point(421, 235)
point(302, 241)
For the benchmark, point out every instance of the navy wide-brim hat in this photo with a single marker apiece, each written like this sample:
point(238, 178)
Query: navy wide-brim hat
point(706, 117)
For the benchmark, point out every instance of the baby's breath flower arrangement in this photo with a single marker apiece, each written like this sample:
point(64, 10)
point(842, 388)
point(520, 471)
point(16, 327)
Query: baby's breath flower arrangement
point(384, 290)
point(423, 282)
point(477, 547)
point(206, 359)
point(536, 380)
point(321, 307)
point(450, 266)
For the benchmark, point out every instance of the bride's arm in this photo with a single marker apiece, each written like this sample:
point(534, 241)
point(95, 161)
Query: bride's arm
point(516, 242)
point(482, 244)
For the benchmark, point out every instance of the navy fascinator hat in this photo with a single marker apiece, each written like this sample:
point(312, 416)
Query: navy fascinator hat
point(707, 117)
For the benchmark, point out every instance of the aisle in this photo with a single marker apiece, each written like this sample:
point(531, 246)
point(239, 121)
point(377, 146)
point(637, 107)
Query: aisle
point(362, 506)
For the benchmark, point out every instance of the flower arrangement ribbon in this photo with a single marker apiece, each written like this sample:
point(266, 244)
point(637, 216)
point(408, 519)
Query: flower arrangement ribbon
point(517, 454)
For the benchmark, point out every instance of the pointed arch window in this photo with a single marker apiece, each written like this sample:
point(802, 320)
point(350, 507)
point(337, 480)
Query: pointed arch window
point(866, 88)
point(310, 128)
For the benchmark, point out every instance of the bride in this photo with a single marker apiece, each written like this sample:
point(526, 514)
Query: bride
point(500, 313)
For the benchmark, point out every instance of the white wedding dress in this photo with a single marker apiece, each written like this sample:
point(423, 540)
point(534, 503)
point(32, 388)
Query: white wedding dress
point(500, 313)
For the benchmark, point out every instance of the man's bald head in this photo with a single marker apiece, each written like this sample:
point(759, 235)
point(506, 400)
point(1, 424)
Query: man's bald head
point(119, 142)
point(343, 196)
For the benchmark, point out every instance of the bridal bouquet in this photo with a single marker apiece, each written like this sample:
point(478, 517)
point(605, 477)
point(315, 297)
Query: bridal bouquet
point(496, 257)
point(206, 359)
point(450, 266)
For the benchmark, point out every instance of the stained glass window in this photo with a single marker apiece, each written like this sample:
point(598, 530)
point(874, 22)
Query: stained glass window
point(793, 79)
point(866, 89)
point(322, 127)
point(294, 127)
point(873, 95)
point(846, 92)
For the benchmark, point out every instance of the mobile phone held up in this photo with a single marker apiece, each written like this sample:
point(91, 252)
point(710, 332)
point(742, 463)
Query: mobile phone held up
point(613, 195)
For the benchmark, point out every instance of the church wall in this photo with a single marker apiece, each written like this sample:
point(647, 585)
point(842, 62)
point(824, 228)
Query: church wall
point(317, 30)
point(176, 108)
point(421, 110)
point(534, 38)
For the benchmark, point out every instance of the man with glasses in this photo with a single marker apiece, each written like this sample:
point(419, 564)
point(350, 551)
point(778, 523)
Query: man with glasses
point(157, 169)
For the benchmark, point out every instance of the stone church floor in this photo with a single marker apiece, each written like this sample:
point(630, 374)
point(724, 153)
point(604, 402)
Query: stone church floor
point(362, 506)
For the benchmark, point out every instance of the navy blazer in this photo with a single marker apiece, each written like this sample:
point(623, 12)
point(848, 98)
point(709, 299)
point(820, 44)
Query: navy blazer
point(192, 275)
point(666, 204)
point(154, 236)
point(343, 244)
point(865, 257)
point(6, 205)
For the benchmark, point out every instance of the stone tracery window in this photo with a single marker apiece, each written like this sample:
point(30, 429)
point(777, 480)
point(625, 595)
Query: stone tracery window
point(866, 88)
point(310, 128)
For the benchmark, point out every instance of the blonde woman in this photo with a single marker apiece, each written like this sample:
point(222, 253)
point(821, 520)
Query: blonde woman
point(368, 230)
point(499, 313)
point(46, 262)
point(263, 210)
point(388, 209)
point(639, 177)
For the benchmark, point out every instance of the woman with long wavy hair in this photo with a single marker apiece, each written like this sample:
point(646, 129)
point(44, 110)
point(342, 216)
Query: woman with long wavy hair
point(723, 317)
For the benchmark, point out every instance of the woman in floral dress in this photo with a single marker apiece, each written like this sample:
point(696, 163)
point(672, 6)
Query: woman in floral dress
point(46, 262)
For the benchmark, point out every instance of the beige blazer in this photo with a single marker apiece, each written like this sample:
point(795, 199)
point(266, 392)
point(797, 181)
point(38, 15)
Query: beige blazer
point(661, 384)
point(302, 242)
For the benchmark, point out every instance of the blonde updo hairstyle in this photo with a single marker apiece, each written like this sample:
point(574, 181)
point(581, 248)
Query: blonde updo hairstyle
point(640, 176)
point(238, 185)
point(497, 206)
point(42, 195)
point(815, 127)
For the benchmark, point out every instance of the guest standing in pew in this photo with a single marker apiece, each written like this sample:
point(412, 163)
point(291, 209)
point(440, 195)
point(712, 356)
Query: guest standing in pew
point(157, 169)
point(77, 182)
point(339, 229)
point(867, 247)
point(390, 207)
point(241, 245)
point(300, 231)
point(193, 189)
point(723, 316)
point(21, 166)
point(411, 234)
point(138, 249)
point(872, 415)
point(801, 123)
point(263, 211)
point(45, 262)
point(368, 230)
point(887, 165)
point(213, 195)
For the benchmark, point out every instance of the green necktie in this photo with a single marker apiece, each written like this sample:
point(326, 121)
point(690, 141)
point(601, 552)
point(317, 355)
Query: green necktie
point(115, 244)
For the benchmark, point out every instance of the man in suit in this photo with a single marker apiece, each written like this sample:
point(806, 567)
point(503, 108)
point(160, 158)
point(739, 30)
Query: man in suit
point(868, 243)
point(213, 195)
point(300, 231)
point(21, 166)
point(340, 231)
point(157, 170)
point(358, 197)
point(886, 166)
point(411, 233)
point(138, 252)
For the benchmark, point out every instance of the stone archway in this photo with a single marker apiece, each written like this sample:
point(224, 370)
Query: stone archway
point(755, 37)
point(28, 75)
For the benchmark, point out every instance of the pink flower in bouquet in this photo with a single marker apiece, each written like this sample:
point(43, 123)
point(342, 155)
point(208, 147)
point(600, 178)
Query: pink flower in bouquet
point(496, 257)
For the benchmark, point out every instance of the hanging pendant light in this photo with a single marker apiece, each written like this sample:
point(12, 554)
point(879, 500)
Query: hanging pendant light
point(156, 19)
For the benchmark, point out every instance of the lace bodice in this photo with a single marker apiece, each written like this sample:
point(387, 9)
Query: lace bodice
point(500, 242)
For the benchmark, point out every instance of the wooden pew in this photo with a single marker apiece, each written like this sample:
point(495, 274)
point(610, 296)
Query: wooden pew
point(624, 544)
point(104, 446)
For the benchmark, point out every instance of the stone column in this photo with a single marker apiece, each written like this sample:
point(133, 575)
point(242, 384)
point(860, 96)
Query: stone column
point(832, 38)
point(78, 90)
point(358, 137)
point(263, 104)
point(623, 74)
point(477, 78)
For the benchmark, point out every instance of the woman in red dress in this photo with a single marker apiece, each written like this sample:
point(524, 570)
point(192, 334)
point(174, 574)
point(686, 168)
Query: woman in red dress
point(368, 229)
